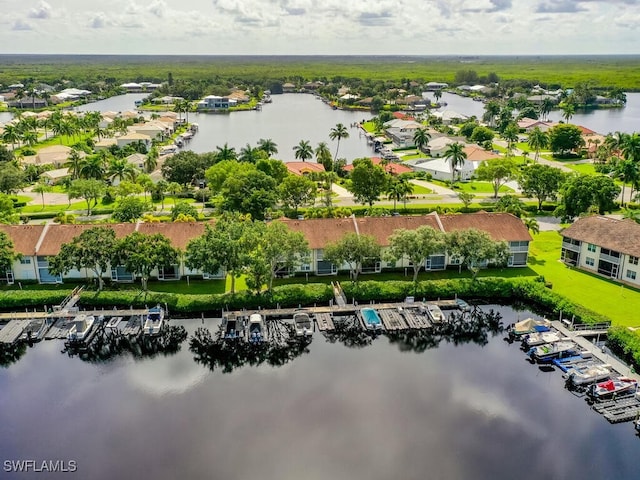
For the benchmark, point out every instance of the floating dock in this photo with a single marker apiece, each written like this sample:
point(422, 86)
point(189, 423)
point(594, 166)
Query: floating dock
point(324, 321)
point(392, 320)
point(12, 331)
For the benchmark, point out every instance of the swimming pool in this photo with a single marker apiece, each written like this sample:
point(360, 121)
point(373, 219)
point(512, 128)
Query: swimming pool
point(371, 318)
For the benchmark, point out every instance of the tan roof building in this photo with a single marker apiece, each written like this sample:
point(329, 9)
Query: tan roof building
point(501, 226)
point(179, 233)
point(619, 235)
point(382, 227)
point(24, 237)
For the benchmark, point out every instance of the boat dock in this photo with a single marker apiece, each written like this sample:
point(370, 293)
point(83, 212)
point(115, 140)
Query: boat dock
point(324, 321)
point(392, 320)
point(12, 331)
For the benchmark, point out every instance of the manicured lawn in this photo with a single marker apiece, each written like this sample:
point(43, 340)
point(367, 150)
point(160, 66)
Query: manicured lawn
point(369, 127)
point(413, 156)
point(193, 287)
point(420, 190)
point(474, 187)
point(620, 303)
point(584, 168)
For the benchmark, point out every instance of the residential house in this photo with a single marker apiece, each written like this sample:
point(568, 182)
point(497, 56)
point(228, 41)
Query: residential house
point(56, 155)
point(215, 102)
point(603, 245)
point(438, 145)
point(528, 124)
point(130, 138)
point(137, 160)
point(288, 87)
point(433, 86)
point(53, 177)
point(450, 117)
point(390, 167)
point(25, 239)
point(155, 132)
point(304, 168)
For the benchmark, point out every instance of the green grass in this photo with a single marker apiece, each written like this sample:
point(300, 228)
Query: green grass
point(473, 187)
point(584, 168)
point(193, 287)
point(369, 127)
point(420, 190)
point(620, 303)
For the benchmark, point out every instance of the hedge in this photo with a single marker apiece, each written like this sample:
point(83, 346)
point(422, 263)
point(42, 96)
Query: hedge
point(626, 344)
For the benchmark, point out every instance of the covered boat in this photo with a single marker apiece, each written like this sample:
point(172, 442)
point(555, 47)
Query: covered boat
point(435, 313)
point(529, 325)
point(371, 319)
point(257, 333)
point(233, 327)
point(585, 374)
point(540, 338)
point(549, 351)
point(154, 321)
point(302, 324)
point(616, 386)
point(82, 325)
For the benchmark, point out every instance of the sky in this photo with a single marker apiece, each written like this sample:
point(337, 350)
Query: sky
point(320, 27)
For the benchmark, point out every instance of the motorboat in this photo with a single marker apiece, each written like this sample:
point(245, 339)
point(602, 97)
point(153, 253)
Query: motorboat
point(302, 324)
point(257, 331)
point(529, 325)
point(154, 321)
point(540, 338)
point(435, 314)
point(583, 375)
point(614, 387)
point(462, 305)
point(81, 327)
point(371, 319)
point(233, 327)
point(549, 351)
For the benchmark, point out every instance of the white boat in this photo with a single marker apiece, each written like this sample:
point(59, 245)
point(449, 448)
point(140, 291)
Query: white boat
point(233, 327)
point(194, 127)
point(113, 322)
point(614, 387)
point(435, 313)
point(549, 351)
point(540, 338)
point(82, 325)
point(529, 326)
point(302, 324)
point(257, 332)
point(154, 321)
point(583, 375)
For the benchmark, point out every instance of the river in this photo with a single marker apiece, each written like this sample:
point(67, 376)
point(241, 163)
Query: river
point(437, 409)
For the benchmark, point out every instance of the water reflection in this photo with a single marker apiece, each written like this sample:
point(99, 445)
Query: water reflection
point(219, 353)
point(108, 344)
point(10, 354)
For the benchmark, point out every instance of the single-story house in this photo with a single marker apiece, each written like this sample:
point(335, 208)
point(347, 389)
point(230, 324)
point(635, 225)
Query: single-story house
point(130, 138)
point(528, 124)
point(603, 245)
point(437, 146)
point(54, 155)
point(53, 177)
point(450, 117)
point(391, 167)
point(288, 87)
point(304, 168)
point(433, 86)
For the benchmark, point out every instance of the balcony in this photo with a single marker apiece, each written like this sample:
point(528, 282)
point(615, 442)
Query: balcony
point(567, 244)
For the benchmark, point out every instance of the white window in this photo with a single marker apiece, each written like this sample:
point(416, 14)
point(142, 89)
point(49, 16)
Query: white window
point(25, 261)
point(631, 275)
point(590, 261)
point(591, 247)
point(633, 260)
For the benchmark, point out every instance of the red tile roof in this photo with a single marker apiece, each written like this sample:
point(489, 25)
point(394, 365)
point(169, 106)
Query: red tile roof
point(24, 237)
point(478, 154)
point(56, 235)
point(619, 235)
point(302, 168)
point(179, 233)
point(382, 227)
point(501, 226)
point(321, 231)
point(392, 167)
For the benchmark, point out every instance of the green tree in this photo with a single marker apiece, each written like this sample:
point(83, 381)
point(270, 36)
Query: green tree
point(250, 155)
point(129, 209)
point(140, 254)
point(185, 209)
point(41, 188)
point(541, 182)
point(186, 167)
point(510, 134)
point(11, 179)
point(467, 128)
point(7, 210)
point(303, 151)
point(146, 183)
point(151, 160)
point(466, 198)
point(323, 156)
point(511, 204)
point(276, 169)
point(338, 133)
point(538, 140)
point(368, 181)
point(456, 157)
point(474, 248)
point(94, 166)
point(564, 138)
point(568, 111)
point(226, 153)
point(226, 245)
point(120, 169)
point(252, 192)
point(482, 135)
point(296, 191)
point(398, 189)
point(94, 249)
point(354, 250)
point(88, 189)
point(74, 163)
point(415, 245)
point(421, 138)
point(498, 172)
point(582, 192)
point(126, 188)
point(268, 146)
point(7, 252)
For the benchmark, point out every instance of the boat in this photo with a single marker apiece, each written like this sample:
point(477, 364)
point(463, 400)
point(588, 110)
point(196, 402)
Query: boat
point(113, 322)
point(302, 324)
point(540, 338)
point(549, 351)
point(529, 325)
point(614, 387)
point(194, 127)
point(462, 305)
point(257, 332)
point(582, 375)
point(435, 314)
point(34, 331)
point(154, 321)
point(81, 327)
point(233, 327)
point(371, 319)
point(178, 142)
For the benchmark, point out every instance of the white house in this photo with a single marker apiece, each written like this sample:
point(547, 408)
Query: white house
point(215, 102)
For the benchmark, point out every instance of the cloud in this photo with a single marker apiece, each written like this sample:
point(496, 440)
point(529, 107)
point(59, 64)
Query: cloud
point(41, 12)
point(158, 8)
point(372, 19)
point(499, 5)
point(560, 6)
point(21, 25)
point(98, 21)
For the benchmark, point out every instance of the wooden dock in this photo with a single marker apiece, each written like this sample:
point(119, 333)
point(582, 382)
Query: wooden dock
point(620, 410)
point(416, 320)
point(133, 326)
point(324, 321)
point(392, 320)
point(12, 331)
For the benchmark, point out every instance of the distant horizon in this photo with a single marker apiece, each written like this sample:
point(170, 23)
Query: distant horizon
point(325, 55)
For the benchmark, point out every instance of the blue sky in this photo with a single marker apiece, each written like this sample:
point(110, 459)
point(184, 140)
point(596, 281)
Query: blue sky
point(299, 27)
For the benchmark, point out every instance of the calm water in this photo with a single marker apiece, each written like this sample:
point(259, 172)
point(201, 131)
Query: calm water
point(378, 412)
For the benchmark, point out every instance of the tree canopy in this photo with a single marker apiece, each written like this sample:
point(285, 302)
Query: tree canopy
point(368, 181)
point(416, 245)
point(542, 182)
point(354, 250)
point(140, 254)
point(474, 248)
point(564, 138)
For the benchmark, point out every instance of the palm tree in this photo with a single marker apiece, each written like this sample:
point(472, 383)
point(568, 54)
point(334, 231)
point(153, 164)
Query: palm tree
point(537, 141)
point(323, 156)
point(568, 111)
point(162, 187)
point(174, 188)
point(456, 156)
point(510, 134)
point(628, 172)
point(249, 154)
point(338, 133)
point(545, 107)
point(151, 160)
point(630, 147)
point(30, 138)
point(491, 111)
point(74, 163)
point(41, 188)
point(187, 107)
point(226, 153)
point(303, 150)
point(398, 189)
point(421, 138)
point(437, 94)
point(532, 225)
point(121, 169)
point(44, 123)
point(268, 146)
point(11, 135)
point(93, 166)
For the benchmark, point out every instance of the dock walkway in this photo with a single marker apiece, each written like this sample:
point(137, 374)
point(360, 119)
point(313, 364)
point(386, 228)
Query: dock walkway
point(12, 331)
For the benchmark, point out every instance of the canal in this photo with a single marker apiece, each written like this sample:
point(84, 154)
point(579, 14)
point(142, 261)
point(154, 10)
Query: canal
point(438, 407)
